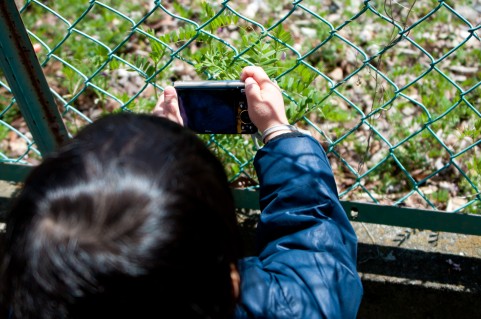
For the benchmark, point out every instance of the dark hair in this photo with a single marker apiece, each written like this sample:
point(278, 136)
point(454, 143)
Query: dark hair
point(133, 217)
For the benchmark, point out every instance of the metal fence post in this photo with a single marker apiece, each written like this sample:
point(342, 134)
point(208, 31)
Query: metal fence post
point(27, 81)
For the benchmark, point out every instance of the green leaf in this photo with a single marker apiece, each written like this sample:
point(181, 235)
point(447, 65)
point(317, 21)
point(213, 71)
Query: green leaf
point(267, 62)
point(114, 64)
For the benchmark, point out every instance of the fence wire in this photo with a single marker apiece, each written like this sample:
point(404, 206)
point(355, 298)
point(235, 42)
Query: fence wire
point(392, 89)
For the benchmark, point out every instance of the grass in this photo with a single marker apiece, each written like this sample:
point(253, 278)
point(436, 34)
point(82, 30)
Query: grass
point(343, 79)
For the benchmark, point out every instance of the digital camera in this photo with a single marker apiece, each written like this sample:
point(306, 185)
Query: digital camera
point(214, 107)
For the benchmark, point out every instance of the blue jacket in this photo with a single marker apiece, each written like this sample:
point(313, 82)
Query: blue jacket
point(306, 266)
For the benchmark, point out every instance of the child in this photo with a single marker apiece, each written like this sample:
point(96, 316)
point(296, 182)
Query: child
point(134, 219)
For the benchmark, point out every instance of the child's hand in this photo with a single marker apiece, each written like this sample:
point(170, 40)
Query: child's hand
point(266, 104)
point(168, 106)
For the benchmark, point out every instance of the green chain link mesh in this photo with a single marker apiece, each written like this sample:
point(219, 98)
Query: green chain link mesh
point(392, 89)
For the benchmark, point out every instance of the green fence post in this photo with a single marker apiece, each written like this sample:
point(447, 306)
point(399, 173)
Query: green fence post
point(27, 81)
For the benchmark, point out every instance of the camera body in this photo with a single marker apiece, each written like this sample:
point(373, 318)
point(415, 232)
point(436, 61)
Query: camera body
point(214, 107)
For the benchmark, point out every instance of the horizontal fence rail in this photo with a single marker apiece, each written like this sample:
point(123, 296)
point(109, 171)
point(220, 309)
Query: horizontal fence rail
point(392, 90)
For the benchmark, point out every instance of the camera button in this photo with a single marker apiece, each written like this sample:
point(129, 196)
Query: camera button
point(244, 116)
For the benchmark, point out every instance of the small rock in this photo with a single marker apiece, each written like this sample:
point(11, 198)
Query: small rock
point(464, 69)
point(337, 74)
point(454, 203)
point(309, 32)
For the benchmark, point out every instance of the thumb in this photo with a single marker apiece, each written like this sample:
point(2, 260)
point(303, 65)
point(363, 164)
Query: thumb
point(171, 104)
point(168, 106)
point(253, 91)
point(170, 96)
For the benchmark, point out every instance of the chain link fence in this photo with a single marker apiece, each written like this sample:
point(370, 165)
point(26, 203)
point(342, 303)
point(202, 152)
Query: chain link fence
point(392, 89)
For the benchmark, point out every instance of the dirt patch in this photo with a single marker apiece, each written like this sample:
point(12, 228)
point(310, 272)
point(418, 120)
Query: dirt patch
point(416, 239)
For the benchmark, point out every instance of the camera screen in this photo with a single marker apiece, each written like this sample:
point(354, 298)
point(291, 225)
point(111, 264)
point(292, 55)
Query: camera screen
point(209, 111)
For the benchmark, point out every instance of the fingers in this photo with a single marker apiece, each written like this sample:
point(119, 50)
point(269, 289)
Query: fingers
point(258, 74)
point(265, 84)
point(258, 84)
point(159, 107)
point(264, 97)
point(168, 106)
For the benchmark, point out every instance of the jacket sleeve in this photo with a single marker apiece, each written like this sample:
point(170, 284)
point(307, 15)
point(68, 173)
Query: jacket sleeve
point(306, 266)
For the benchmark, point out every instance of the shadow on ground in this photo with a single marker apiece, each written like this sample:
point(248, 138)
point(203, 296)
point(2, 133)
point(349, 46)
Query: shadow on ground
point(408, 283)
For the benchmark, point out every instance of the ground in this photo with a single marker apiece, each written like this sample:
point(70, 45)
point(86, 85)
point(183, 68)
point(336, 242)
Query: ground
point(410, 273)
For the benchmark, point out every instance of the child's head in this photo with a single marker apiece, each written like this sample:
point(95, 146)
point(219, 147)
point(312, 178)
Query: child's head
point(132, 218)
